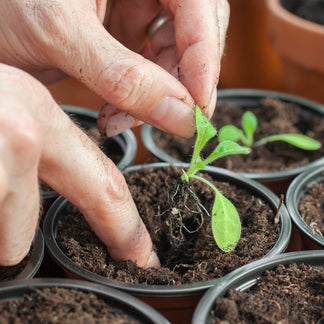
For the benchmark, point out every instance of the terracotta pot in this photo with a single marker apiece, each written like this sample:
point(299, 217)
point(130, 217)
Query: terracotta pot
point(249, 59)
point(130, 306)
point(296, 191)
point(125, 144)
point(35, 259)
point(277, 181)
point(176, 303)
point(247, 276)
point(300, 44)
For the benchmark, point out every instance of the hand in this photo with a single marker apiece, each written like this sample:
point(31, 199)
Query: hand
point(38, 139)
point(47, 38)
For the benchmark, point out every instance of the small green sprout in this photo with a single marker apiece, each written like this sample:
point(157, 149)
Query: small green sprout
point(249, 125)
point(226, 225)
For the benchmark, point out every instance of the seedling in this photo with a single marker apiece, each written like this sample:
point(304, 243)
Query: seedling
point(246, 135)
point(226, 225)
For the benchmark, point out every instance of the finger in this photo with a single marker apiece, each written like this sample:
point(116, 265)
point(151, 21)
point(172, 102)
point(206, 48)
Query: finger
point(75, 167)
point(96, 186)
point(19, 194)
point(127, 80)
point(127, 21)
point(200, 40)
point(112, 121)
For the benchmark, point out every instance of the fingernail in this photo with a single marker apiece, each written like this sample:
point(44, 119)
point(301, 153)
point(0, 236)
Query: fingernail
point(212, 103)
point(153, 261)
point(174, 116)
point(118, 123)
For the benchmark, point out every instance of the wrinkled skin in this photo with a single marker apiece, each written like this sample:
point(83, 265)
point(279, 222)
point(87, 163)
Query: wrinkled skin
point(105, 45)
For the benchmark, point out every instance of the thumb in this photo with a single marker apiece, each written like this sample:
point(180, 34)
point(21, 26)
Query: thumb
point(126, 80)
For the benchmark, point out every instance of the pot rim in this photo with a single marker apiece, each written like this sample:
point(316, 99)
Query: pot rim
point(282, 13)
point(244, 94)
point(295, 192)
point(131, 305)
point(49, 229)
point(247, 276)
point(126, 140)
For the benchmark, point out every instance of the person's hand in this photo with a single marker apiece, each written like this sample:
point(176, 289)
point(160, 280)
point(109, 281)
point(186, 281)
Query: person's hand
point(44, 37)
point(38, 139)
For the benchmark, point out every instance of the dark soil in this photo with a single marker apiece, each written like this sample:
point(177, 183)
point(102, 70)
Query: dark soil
point(312, 10)
point(292, 294)
point(274, 117)
point(311, 207)
point(11, 272)
point(60, 305)
point(180, 230)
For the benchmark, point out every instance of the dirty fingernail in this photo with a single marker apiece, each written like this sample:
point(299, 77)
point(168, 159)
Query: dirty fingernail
point(153, 261)
point(174, 116)
point(118, 123)
point(212, 103)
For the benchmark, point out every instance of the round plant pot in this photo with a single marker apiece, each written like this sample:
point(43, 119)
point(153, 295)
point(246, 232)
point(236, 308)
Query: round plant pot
point(175, 302)
point(249, 99)
point(247, 277)
point(296, 191)
point(249, 60)
point(130, 306)
point(29, 266)
point(123, 145)
point(300, 44)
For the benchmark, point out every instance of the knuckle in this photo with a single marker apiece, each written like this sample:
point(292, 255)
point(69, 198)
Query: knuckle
point(22, 137)
point(125, 84)
point(117, 189)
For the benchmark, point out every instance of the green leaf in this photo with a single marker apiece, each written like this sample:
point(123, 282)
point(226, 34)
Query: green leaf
point(249, 125)
point(205, 131)
point(229, 132)
point(226, 148)
point(301, 141)
point(226, 225)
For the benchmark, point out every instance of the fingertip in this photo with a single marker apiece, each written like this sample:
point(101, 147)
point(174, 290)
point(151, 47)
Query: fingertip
point(174, 116)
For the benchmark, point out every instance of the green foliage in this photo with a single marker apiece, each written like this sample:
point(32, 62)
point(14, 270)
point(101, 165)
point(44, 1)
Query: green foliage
point(226, 225)
point(249, 126)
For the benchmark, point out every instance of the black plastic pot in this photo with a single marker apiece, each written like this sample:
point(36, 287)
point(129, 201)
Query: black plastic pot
point(295, 192)
point(277, 181)
point(129, 305)
point(247, 276)
point(35, 259)
point(124, 143)
point(176, 303)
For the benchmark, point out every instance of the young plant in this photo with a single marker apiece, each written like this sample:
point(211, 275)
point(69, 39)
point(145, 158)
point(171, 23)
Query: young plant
point(226, 225)
point(246, 135)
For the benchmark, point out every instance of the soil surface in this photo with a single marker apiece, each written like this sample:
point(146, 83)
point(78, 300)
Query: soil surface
point(180, 228)
point(312, 10)
point(61, 305)
point(311, 207)
point(11, 272)
point(292, 294)
point(274, 117)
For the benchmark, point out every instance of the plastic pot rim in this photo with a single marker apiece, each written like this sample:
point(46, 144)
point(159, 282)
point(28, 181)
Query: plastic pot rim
point(120, 298)
point(235, 94)
point(246, 276)
point(295, 192)
point(49, 228)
